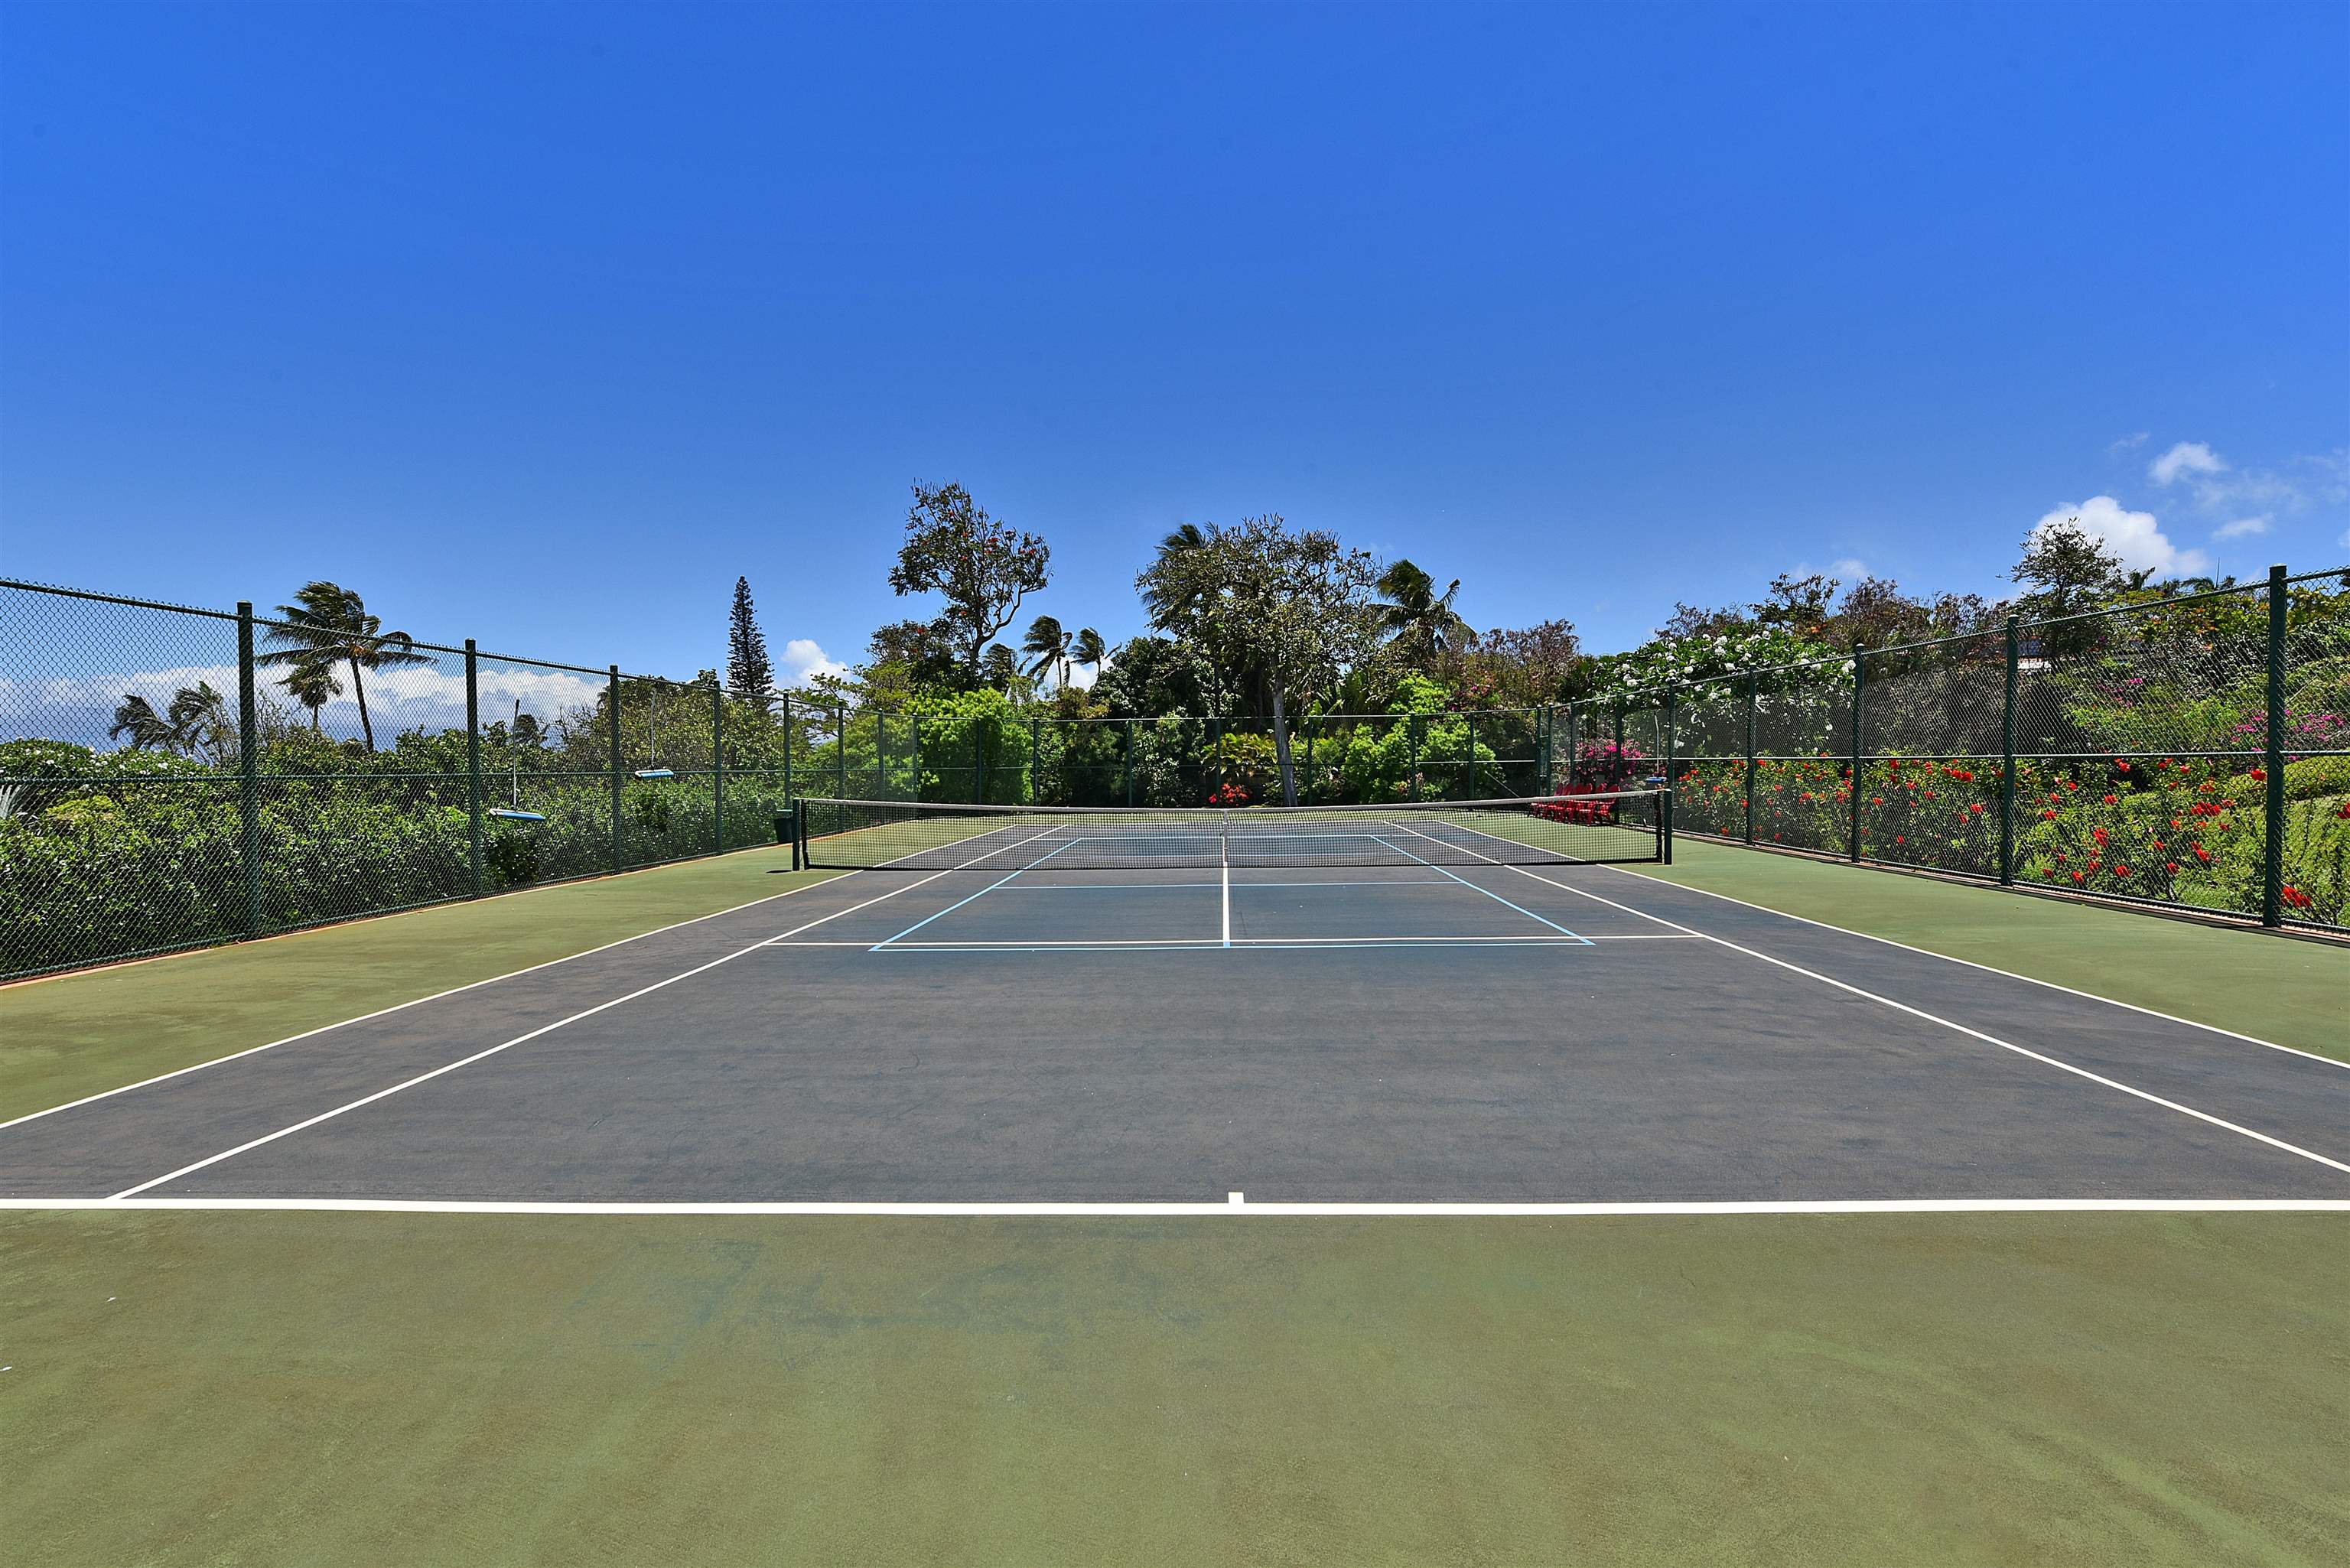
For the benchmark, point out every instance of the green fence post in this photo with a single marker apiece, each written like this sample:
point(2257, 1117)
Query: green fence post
point(248, 769)
point(1036, 756)
point(789, 794)
point(1573, 742)
point(917, 795)
point(1860, 680)
point(1129, 760)
point(1412, 729)
point(840, 748)
point(1313, 722)
point(2272, 846)
point(2007, 768)
point(717, 768)
point(1473, 785)
point(1615, 776)
point(1751, 683)
point(981, 731)
point(1672, 748)
point(473, 759)
point(613, 726)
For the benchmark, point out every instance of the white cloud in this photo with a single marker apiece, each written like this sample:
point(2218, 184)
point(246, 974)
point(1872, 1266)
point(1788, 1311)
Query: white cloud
point(1850, 570)
point(2239, 527)
point(2133, 536)
point(2186, 457)
point(2344, 541)
point(803, 662)
point(2128, 442)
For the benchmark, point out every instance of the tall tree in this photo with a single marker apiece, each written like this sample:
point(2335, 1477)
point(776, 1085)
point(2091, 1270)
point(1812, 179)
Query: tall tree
point(747, 670)
point(1087, 650)
point(327, 623)
point(1000, 667)
point(2067, 570)
point(1295, 607)
point(136, 721)
point(1048, 648)
point(983, 568)
point(312, 683)
point(1421, 622)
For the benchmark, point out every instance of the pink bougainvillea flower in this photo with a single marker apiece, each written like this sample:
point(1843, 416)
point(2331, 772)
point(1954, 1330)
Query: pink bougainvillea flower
point(2170, 866)
point(2078, 877)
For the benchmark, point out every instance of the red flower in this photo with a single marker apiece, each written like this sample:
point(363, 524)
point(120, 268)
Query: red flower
point(2113, 799)
point(2170, 866)
point(2078, 877)
point(2121, 870)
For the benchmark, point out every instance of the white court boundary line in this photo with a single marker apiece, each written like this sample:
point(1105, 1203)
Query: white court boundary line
point(1230, 1206)
point(2025, 1051)
point(535, 1034)
point(1987, 968)
point(416, 1002)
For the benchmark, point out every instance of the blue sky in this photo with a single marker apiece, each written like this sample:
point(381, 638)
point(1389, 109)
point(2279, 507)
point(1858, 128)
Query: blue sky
point(540, 323)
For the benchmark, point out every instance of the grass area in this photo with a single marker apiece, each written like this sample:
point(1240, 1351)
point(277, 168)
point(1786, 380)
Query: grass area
point(2290, 992)
point(77, 1034)
point(315, 1388)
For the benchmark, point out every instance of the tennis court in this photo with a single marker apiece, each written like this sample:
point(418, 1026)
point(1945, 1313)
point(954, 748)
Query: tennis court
point(1458, 1006)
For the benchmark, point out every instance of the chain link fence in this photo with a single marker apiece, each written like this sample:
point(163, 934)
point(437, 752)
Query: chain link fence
point(172, 778)
point(2191, 753)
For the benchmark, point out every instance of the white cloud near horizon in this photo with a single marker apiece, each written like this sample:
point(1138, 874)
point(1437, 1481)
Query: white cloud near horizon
point(2135, 538)
point(2186, 457)
point(803, 662)
point(2239, 527)
point(1849, 569)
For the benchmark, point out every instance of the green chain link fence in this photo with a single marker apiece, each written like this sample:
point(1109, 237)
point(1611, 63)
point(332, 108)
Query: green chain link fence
point(173, 777)
point(2191, 753)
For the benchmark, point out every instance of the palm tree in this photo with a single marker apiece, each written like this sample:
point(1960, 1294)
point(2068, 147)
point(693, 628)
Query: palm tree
point(135, 718)
point(1416, 617)
point(327, 623)
point(1087, 650)
point(200, 722)
point(999, 667)
point(1047, 647)
point(313, 684)
point(1170, 609)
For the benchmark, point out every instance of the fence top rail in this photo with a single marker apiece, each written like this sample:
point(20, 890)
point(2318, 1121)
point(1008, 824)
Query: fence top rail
point(32, 587)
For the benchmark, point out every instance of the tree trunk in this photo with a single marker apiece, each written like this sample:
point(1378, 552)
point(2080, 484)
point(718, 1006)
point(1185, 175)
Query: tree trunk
point(1281, 746)
point(359, 689)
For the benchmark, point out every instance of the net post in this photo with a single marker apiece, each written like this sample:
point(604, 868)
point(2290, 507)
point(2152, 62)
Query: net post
point(612, 732)
point(1751, 681)
point(473, 763)
point(2272, 841)
point(799, 836)
point(1859, 680)
point(2007, 767)
point(717, 768)
point(248, 769)
point(1665, 825)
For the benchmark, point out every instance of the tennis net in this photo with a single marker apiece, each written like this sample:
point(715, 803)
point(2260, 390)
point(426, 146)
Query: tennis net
point(1551, 830)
